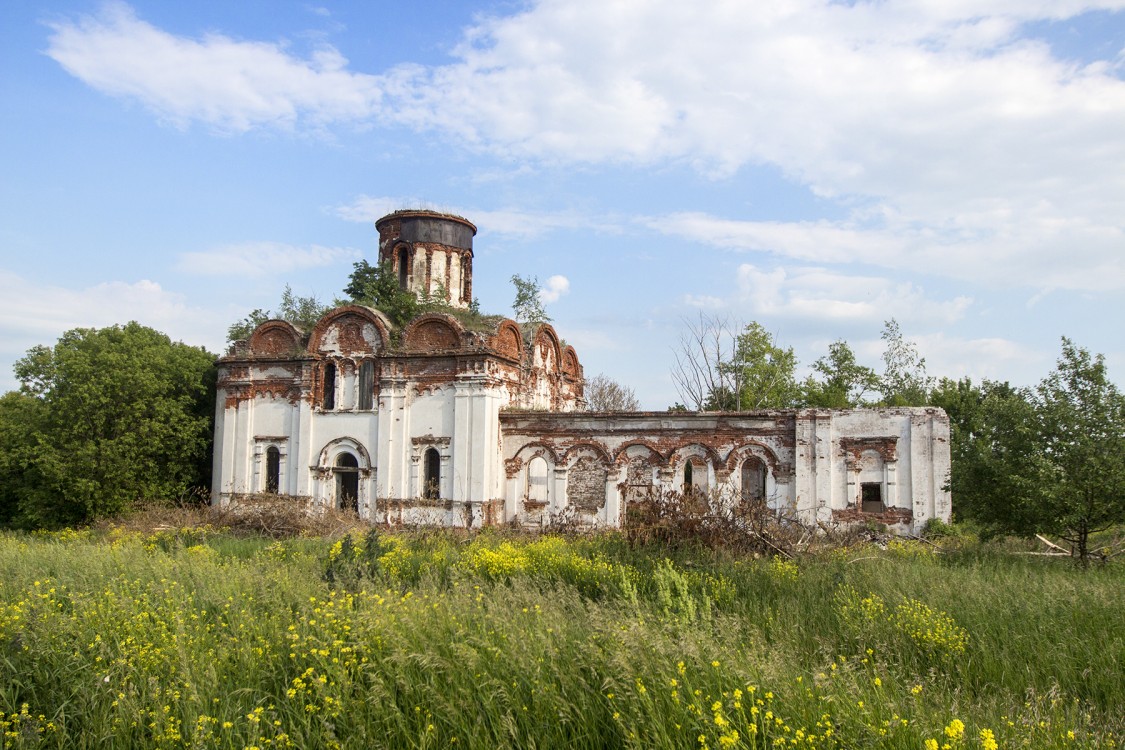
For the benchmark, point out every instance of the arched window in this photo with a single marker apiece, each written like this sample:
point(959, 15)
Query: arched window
point(329, 387)
point(687, 476)
point(466, 280)
point(366, 384)
point(403, 266)
point(753, 480)
point(273, 469)
point(431, 474)
point(537, 480)
point(347, 482)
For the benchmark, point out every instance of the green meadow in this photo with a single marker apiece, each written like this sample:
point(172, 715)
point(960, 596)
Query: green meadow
point(197, 638)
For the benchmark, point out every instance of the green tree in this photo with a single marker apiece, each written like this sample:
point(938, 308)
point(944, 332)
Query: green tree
point(302, 312)
point(123, 414)
point(21, 415)
point(762, 373)
point(378, 287)
point(904, 381)
point(528, 305)
point(995, 455)
point(1081, 423)
point(1049, 459)
point(839, 382)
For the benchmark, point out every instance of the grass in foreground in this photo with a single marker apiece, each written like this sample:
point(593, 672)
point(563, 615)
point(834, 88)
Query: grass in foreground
point(200, 639)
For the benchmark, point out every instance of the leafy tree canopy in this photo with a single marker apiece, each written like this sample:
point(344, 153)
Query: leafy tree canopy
point(302, 312)
point(528, 305)
point(904, 381)
point(1049, 459)
point(378, 287)
point(839, 382)
point(762, 374)
point(107, 417)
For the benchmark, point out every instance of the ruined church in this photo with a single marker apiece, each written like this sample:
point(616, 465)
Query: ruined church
point(484, 422)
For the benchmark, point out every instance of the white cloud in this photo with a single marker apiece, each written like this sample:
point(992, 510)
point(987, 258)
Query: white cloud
point(555, 287)
point(226, 83)
point(981, 358)
point(256, 259)
point(704, 301)
point(961, 146)
point(511, 222)
point(1039, 252)
point(39, 313)
point(821, 294)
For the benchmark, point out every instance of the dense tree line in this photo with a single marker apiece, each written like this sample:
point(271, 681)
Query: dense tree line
point(1048, 459)
point(104, 419)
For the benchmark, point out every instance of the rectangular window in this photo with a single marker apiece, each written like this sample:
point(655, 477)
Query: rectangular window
point(872, 497)
point(366, 385)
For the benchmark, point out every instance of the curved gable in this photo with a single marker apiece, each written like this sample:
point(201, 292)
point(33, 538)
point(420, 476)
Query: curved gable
point(274, 338)
point(433, 332)
point(350, 330)
point(570, 362)
point(507, 341)
point(546, 352)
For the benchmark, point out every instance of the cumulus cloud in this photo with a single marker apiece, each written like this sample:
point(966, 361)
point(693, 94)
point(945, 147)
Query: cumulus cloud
point(555, 287)
point(512, 222)
point(822, 294)
point(958, 144)
point(229, 84)
point(257, 259)
point(39, 313)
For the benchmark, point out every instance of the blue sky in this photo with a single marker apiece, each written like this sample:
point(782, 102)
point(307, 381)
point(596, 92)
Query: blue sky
point(819, 167)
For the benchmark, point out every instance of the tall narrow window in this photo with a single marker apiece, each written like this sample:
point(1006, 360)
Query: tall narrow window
point(431, 475)
point(537, 480)
point(753, 480)
point(347, 482)
point(273, 469)
point(687, 477)
point(329, 387)
point(403, 267)
point(366, 385)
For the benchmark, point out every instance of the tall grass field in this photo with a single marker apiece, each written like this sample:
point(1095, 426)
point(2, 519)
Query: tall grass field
point(200, 639)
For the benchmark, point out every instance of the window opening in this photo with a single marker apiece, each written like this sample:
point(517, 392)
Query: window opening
point(753, 480)
point(329, 387)
point(347, 482)
point(366, 385)
point(537, 480)
point(273, 469)
point(403, 266)
point(431, 475)
point(871, 495)
point(687, 477)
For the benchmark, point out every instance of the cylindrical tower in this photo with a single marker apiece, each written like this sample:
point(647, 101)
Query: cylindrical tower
point(431, 252)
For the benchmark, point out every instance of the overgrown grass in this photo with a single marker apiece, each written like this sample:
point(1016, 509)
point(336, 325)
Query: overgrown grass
point(196, 638)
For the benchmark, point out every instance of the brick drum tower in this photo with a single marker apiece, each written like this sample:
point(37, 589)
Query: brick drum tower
point(431, 252)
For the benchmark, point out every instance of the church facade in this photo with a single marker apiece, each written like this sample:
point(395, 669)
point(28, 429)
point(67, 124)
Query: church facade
point(464, 420)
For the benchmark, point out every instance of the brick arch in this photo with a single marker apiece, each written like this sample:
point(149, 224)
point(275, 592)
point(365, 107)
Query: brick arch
point(755, 449)
point(576, 450)
point(677, 455)
point(358, 329)
point(546, 351)
point(529, 451)
point(570, 364)
point(433, 332)
point(274, 338)
point(507, 340)
point(655, 457)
